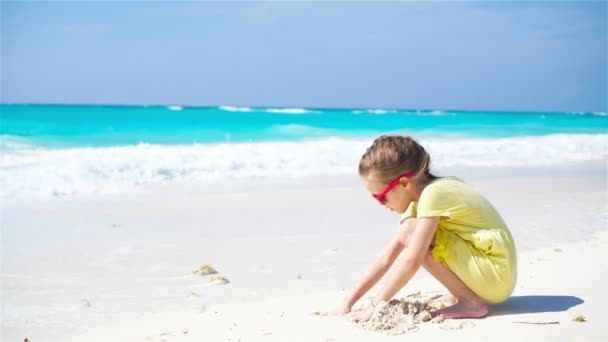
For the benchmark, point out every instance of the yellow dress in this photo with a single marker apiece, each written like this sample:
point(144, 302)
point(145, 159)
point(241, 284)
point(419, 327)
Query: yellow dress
point(471, 238)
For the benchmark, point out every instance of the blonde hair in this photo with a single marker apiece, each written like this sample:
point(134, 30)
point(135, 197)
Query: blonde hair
point(390, 156)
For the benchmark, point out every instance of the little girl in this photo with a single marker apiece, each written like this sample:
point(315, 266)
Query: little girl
point(446, 226)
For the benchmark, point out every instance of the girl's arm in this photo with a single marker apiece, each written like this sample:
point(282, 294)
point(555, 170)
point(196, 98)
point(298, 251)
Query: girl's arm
point(379, 267)
point(419, 243)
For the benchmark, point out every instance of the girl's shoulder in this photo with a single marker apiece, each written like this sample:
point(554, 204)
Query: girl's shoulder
point(445, 182)
point(450, 186)
point(448, 178)
point(449, 197)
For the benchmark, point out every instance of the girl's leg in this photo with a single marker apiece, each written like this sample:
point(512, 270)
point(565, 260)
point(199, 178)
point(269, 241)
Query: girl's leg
point(469, 305)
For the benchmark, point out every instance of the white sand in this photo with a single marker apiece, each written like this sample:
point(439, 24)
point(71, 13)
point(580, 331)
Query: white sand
point(555, 287)
point(119, 267)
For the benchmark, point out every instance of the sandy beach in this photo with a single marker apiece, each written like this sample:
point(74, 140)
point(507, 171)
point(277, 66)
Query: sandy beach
point(228, 171)
point(120, 267)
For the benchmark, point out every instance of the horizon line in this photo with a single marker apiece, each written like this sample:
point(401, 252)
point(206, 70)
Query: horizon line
point(290, 107)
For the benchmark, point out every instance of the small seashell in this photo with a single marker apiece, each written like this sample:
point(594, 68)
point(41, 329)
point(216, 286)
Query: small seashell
point(204, 270)
point(579, 319)
point(220, 279)
point(208, 269)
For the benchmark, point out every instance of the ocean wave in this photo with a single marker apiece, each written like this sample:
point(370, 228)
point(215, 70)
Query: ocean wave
point(269, 110)
point(10, 143)
point(375, 111)
point(75, 171)
point(403, 112)
point(434, 113)
point(235, 109)
point(175, 108)
point(290, 111)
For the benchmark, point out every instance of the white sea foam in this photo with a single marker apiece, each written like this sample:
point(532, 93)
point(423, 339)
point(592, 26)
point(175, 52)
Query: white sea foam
point(176, 108)
point(60, 172)
point(269, 110)
point(404, 112)
point(13, 143)
point(236, 109)
point(375, 111)
point(290, 111)
point(434, 113)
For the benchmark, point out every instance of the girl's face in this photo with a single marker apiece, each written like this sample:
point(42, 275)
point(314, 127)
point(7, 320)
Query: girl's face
point(397, 199)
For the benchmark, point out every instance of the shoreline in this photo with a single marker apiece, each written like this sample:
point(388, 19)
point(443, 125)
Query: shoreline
point(240, 187)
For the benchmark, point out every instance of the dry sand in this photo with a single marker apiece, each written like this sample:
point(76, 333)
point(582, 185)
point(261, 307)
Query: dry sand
point(554, 288)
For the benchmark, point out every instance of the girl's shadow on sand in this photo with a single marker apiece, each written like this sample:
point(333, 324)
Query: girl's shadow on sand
point(534, 304)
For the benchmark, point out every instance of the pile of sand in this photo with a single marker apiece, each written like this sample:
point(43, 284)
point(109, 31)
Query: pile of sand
point(399, 316)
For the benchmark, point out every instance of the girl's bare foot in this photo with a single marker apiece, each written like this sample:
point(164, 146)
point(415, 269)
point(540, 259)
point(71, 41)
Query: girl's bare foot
point(463, 309)
point(442, 301)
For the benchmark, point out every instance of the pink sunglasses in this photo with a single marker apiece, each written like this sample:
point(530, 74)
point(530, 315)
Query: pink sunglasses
point(381, 197)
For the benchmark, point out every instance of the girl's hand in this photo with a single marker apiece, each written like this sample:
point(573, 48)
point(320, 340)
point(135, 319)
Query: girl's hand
point(363, 315)
point(343, 309)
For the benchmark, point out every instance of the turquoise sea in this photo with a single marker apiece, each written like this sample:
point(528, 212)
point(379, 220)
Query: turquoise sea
point(72, 149)
point(53, 126)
